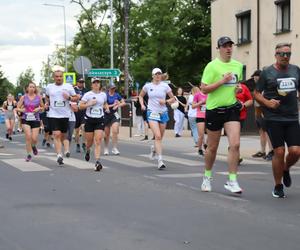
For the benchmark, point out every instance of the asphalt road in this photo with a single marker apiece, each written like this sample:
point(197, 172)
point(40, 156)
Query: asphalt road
point(130, 205)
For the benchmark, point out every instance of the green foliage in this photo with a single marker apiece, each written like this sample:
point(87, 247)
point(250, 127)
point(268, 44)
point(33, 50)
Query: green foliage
point(6, 87)
point(24, 79)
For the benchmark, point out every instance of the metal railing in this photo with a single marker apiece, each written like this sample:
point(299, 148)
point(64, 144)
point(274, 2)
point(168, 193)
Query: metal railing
point(128, 119)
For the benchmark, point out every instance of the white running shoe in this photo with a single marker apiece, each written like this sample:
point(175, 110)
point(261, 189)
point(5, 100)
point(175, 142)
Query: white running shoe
point(206, 184)
point(233, 187)
point(105, 151)
point(161, 165)
point(152, 153)
point(115, 151)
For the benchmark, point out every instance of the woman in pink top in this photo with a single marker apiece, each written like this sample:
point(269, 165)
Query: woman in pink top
point(199, 103)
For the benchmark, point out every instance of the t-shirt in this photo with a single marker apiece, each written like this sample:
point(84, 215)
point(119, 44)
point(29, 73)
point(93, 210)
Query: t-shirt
point(155, 93)
point(283, 86)
point(80, 92)
point(95, 111)
point(214, 71)
point(200, 109)
point(244, 96)
point(111, 99)
point(191, 112)
point(59, 106)
point(182, 100)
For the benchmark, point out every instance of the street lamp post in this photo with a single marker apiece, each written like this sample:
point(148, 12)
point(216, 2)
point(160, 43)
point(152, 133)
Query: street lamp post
point(111, 39)
point(65, 30)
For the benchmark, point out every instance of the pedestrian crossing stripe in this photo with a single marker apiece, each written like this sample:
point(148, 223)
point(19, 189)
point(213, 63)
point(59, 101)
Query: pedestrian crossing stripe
point(188, 175)
point(129, 162)
point(179, 160)
point(5, 154)
point(245, 173)
point(25, 166)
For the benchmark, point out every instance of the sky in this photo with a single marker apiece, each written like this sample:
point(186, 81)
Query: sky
point(29, 32)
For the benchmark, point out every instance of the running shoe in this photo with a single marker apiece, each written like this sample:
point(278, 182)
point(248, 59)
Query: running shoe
point(177, 135)
point(60, 160)
point(10, 138)
point(233, 187)
point(106, 151)
point(240, 161)
point(28, 158)
point(145, 138)
point(161, 165)
point(206, 184)
point(44, 142)
point(115, 151)
point(48, 145)
point(287, 180)
point(259, 154)
point(87, 155)
point(200, 152)
point(68, 154)
point(98, 166)
point(269, 156)
point(278, 191)
point(7, 135)
point(78, 148)
point(152, 153)
point(34, 150)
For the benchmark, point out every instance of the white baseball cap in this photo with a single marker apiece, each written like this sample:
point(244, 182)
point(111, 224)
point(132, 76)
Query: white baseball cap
point(156, 70)
point(58, 68)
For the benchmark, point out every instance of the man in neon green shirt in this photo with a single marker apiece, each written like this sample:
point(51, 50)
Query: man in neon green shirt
point(220, 81)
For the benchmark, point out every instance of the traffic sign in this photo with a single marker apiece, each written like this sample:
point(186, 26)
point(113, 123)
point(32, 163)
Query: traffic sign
point(70, 77)
point(104, 73)
point(82, 65)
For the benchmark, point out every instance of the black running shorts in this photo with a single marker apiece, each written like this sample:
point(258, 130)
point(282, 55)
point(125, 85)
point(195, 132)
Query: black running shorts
point(59, 124)
point(92, 124)
point(281, 132)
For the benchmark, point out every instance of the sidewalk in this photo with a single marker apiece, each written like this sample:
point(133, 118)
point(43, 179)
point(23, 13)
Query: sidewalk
point(249, 144)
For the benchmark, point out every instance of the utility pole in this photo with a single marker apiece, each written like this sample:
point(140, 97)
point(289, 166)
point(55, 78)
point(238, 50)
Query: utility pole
point(111, 39)
point(126, 66)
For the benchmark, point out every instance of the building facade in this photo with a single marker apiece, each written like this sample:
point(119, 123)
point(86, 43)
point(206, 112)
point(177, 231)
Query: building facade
point(256, 26)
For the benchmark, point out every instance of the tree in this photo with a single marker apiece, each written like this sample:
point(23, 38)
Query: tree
point(24, 79)
point(6, 87)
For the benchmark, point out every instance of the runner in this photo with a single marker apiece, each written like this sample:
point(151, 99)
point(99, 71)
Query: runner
point(157, 112)
point(94, 102)
point(47, 130)
point(79, 126)
point(59, 95)
point(276, 91)
point(220, 80)
point(9, 109)
point(192, 115)
point(112, 119)
point(199, 103)
point(179, 113)
point(30, 106)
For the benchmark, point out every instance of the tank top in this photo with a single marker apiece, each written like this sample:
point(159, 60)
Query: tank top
point(29, 106)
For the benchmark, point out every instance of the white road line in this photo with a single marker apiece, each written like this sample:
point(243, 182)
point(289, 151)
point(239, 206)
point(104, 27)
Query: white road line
point(5, 154)
point(49, 153)
point(190, 175)
point(150, 177)
point(179, 160)
point(25, 166)
point(14, 142)
point(129, 162)
point(76, 163)
point(245, 173)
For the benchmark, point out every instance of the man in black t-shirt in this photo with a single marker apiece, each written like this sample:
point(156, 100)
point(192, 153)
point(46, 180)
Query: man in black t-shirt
point(276, 90)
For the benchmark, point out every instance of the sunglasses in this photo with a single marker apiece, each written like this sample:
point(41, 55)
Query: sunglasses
point(284, 54)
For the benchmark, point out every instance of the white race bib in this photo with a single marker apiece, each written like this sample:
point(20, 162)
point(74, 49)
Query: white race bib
point(117, 115)
point(30, 117)
point(59, 104)
point(232, 82)
point(286, 85)
point(96, 111)
point(203, 108)
point(154, 116)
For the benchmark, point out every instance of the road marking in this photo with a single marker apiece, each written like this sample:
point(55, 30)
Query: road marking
point(49, 153)
point(190, 175)
point(179, 160)
point(5, 154)
point(129, 162)
point(25, 166)
point(245, 173)
point(76, 163)
point(14, 142)
point(150, 177)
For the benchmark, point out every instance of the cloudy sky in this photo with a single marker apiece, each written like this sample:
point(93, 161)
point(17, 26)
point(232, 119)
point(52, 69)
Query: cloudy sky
point(29, 32)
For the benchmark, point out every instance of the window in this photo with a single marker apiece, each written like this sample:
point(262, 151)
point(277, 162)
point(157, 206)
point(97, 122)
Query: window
point(283, 22)
point(244, 27)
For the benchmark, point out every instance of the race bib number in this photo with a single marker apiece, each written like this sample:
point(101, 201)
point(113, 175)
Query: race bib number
point(117, 115)
point(286, 85)
point(232, 82)
point(10, 108)
point(154, 116)
point(30, 117)
point(96, 112)
point(203, 108)
point(59, 104)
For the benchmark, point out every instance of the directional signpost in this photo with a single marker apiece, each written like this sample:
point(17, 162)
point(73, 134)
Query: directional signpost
point(104, 73)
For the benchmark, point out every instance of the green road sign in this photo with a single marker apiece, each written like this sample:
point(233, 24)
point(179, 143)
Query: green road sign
point(104, 73)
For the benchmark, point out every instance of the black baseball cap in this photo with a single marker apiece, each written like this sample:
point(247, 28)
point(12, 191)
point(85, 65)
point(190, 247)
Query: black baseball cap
point(256, 73)
point(223, 40)
point(80, 80)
